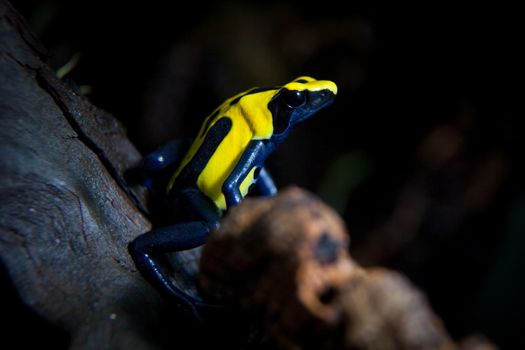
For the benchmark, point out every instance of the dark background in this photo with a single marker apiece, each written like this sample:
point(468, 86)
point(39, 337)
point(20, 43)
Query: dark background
point(421, 153)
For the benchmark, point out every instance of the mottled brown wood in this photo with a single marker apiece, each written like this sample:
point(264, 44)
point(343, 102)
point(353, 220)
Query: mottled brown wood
point(284, 262)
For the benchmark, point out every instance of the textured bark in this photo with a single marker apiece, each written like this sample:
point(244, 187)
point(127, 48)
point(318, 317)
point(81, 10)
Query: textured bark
point(66, 214)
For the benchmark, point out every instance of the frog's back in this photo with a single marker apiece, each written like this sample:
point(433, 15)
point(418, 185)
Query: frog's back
point(221, 141)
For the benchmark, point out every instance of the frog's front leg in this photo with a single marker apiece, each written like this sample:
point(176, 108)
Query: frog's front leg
point(147, 249)
point(252, 157)
point(167, 154)
point(152, 174)
point(265, 184)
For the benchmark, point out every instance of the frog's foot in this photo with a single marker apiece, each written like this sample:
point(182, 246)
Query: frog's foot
point(147, 252)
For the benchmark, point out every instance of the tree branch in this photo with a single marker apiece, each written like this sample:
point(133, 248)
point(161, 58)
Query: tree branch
point(66, 214)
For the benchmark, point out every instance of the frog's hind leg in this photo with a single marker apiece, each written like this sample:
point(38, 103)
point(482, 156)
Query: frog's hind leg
point(148, 250)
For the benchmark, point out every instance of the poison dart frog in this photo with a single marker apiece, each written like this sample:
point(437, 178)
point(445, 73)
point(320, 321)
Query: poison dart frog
point(219, 168)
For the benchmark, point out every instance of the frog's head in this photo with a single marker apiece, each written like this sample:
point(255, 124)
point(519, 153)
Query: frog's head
point(299, 100)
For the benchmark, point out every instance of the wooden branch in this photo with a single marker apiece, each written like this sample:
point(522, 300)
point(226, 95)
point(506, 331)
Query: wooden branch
point(284, 261)
point(66, 214)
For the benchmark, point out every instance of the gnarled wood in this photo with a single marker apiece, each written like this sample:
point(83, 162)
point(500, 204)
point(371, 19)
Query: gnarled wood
point(66, 215)
point(284, 261)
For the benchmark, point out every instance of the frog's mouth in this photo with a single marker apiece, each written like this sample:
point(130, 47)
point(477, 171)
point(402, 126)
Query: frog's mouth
point(321, 99)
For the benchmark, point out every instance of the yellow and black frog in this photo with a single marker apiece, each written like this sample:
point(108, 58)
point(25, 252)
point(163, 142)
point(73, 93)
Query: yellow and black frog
point(219, 168)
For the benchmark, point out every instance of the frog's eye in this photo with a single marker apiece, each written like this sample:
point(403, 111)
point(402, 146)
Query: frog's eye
point(294, 98)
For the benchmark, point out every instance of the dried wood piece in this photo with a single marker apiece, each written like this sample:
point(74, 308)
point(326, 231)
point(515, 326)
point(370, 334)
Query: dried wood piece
point(382, 310)
point(284, 261)
point(282, 257)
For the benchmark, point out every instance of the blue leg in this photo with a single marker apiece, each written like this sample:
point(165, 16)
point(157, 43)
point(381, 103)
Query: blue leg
point(156, 166)
point(167, 154)
point(147, 250)
point(265, 185)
